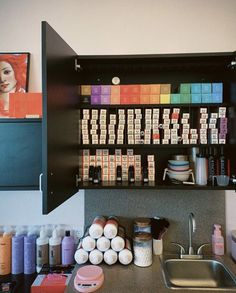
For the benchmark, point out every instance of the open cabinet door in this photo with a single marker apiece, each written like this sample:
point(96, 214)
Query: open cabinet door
point(60, 120)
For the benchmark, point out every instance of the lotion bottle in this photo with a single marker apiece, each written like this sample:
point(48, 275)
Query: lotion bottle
point(30, 252)
point(68, 249)
point(42, 249)
point(17, 266)
point(217, 241)
point(55, 249)
point(5, 252)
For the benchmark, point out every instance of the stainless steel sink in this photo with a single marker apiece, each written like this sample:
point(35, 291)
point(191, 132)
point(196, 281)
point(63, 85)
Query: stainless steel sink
point(197, 274)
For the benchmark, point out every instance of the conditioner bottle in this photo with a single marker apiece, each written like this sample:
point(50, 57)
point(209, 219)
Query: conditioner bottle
point(68, 249)
point(17, 266)
point(5, 253)
point(55, 249)
point(42, 249)
point(30, 252)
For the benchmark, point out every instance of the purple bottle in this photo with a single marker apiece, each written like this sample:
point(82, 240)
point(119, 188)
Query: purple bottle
point(68, 249)
point(30, 254)
point(17, 265)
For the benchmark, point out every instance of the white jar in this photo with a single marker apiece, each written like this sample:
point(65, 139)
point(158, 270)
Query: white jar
point(81, 256)
point(88, 243)
point(142, 249)
point(95, 257)
point(110, 257)
point(103, 244)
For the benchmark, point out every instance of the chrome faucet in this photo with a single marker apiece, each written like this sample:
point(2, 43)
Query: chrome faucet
point(191, 229)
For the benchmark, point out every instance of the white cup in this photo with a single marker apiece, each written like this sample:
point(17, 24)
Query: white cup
point(157, 245)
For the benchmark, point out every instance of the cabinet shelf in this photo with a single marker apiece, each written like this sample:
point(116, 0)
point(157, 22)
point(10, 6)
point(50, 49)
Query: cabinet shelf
point(150, 146)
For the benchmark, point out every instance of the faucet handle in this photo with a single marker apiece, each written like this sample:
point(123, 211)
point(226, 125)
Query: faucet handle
point(182, 250)
point(199, 250)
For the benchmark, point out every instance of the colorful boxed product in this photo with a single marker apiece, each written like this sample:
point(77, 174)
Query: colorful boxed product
point(105, 89)
point(196, 98)
point(154, 99)
point(95, 89)
point(145, 89)
point(185, 88)
point(95, 99)
point(134, 99)
point(144, 99)
point(206, 88)
point(175, 98)
point(217, 87)
point(196, 88)
point(105, 99)
point(165, 88)
point(115, 99)
point(115, 90)
point(206, 98)
point(85, 90)
point(185, 98)
point(125, 99)
point(164, 98)
point(155, 89)
point(217, 97)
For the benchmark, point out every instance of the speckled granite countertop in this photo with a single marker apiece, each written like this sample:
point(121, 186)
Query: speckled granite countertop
point(133, 279)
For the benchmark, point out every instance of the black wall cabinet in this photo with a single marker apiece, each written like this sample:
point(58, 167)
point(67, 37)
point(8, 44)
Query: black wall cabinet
point(64, 70)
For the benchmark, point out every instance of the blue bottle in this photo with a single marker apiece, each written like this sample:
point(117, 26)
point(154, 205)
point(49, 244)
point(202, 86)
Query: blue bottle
point(17, 265)
point(30, 253)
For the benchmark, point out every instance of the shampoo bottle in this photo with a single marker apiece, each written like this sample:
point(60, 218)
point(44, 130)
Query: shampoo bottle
point(55, 249)
point(30, 252)
point(68, 249)
point(217, 241)
point(17, 266)
point(5, 253)
point(42, 249)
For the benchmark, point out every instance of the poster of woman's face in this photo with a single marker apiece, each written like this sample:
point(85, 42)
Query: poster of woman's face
point(14, 77)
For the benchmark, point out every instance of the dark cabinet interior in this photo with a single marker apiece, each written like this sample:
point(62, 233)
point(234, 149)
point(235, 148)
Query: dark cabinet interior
point(64, 72)
point(20, 153)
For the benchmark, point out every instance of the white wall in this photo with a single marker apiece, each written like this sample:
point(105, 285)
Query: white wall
point(110, 27)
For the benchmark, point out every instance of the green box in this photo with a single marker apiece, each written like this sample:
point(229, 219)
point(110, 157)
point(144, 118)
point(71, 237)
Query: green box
point(185, 88)
point(185, 98)
point(175, 98)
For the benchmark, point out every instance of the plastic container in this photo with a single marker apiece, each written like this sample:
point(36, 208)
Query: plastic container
point(110, 257)
point(29, 253)
point(5, 253)
point(217, 241)
point(68, 249)
point(125, 256)
point(201, 170)
point(42, 248)
point(55, 249)
point(96, 229)
point(17, 264)
point(103, 244)
point(142, 249)
point(95, 257)
point(111, 227)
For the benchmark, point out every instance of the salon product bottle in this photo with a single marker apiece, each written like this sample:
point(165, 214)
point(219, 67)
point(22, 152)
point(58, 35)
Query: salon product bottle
point(131, 177)
point(42, 248)
point(88, 243)
point(30, 252)
point(111, 227)
point(5, 253)
point(223, 163)
point(55, 249)
point(125, 256)
point(217, 241)
point(103, 243)
point(68, 249)
point(211, 165)
point(17, 265)
point(96, 229)
point(201, 169)
point(118, 242)
point(110, 257)
point(95, 257)
point(81, 256)
point(118, 173)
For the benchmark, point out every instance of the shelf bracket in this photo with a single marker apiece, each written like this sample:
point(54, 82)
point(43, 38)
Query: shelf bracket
point(77, 66)
point(77, 180)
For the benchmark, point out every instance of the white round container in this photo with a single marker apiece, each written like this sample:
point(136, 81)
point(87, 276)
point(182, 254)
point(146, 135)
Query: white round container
point(88, 243)
point(95, 257)
point(103, 244)
point(110, 257)
point(81, 256)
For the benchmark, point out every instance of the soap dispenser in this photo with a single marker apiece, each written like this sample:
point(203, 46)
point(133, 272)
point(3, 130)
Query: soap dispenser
point(217, 241)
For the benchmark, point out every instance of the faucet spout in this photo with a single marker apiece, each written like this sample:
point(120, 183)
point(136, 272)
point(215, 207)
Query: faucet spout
point(191, 230)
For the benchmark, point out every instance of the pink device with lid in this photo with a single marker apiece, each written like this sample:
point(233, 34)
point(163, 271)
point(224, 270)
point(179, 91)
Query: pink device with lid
point(88, 278)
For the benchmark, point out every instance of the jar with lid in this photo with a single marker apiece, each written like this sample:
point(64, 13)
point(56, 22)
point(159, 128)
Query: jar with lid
point(142, 225)
point(142, 249)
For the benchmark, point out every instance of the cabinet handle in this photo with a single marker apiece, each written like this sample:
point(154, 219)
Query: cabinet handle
point(40, 182)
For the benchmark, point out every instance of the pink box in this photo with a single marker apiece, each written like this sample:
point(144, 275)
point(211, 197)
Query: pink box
point(105, 99)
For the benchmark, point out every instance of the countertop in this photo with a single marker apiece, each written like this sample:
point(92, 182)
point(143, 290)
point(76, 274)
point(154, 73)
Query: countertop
point(133, 279)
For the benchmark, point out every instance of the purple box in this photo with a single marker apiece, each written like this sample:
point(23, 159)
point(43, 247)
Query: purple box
point(96, 90)
point(222, 135)
point(105, 99)
point(95, 99)
point(105, 89)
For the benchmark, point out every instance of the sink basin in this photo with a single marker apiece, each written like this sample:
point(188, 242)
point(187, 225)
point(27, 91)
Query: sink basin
point(197, 274)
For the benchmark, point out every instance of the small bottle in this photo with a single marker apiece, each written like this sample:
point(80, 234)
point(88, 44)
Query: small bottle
point(201, 169)
point(81, 256)
point(68, 249)
point(103, 244)
point(131, 177)
point(5, 252)
point(223, 163)
point(88, 243)
point(42, 248)
point(125, 255)
point(30, 252)
point(95, 257)
point(211, 166)
point(111, 227)
point(110, 257)
point(55, 249)
point(217, 241)
point(118, 242)
point(96, 229)
point(17, 265)
point(119, 173)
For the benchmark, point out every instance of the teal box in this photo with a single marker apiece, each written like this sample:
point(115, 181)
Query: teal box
point(185, 98)
point(206, 98)
point(185, 88)
point(196, 88)
point(217, 87)
point(217, 98)
point(196, 98)
point(175, 98)
point(206, 88)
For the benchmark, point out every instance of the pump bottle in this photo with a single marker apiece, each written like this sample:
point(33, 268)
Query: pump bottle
point(30, 252)
point(217, 241)
point(42, 248)
point(68, 249)
point(55, 249)
point(17, 266)
point(5, 252)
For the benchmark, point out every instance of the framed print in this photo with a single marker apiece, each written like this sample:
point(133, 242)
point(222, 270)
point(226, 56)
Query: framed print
point(14, 78)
